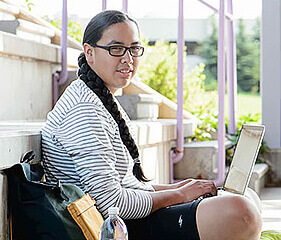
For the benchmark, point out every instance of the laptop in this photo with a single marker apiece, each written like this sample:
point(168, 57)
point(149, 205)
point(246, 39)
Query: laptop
point(244, 158)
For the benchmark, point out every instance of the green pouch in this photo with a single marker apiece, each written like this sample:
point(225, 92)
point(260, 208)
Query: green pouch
point(39, 209)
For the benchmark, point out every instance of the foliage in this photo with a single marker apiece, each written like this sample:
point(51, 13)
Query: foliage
point(245, 119)
point(270, 235)
point(74, 29)
point(255, 39)
point(209, 120)
point(207, 130)
point(159, 71)
point(209, 51)
point(248, 57)
point(29, 4)
point(158, 68)
point(249, 118)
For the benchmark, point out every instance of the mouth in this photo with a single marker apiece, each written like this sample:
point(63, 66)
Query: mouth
point(125, 72)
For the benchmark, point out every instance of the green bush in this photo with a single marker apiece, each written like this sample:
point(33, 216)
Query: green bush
point(158, 70)
point(270, 235)
point(207, 131)
point(74, 29)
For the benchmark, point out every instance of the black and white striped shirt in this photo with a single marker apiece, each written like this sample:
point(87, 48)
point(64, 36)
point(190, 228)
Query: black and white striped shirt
point(81, 144)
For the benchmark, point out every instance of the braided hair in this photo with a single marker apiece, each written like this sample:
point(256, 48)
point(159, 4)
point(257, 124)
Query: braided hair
point(92, 34)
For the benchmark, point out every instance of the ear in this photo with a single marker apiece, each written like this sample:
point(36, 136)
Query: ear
point(88, 51)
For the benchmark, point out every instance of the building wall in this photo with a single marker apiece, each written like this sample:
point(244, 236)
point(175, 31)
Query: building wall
point(271, 72)
point(271, 80)
point(164, 28)
point(26, 77)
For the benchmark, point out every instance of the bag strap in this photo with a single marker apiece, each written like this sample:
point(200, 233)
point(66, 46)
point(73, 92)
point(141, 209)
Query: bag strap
point(32, 174)
point(10, 225)
point(27, 157)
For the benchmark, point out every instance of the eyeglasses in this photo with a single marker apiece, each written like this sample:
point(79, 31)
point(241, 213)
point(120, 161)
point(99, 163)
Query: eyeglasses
point(119, 51)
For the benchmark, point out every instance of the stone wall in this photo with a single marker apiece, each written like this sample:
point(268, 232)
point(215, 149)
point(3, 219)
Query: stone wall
point(13, 145)
point(26, 81)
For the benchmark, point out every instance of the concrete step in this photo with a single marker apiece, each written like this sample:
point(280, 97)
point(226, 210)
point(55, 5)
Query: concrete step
point(140, 106)
point(199, 160)
point(271, 208)
point(258, 178)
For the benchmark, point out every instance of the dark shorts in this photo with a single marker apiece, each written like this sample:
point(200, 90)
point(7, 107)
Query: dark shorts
point(171, 223)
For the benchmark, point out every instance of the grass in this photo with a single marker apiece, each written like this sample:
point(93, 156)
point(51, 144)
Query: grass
point(246, 103)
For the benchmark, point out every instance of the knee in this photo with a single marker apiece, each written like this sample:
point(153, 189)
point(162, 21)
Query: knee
point(253, 196)
point(247, 215)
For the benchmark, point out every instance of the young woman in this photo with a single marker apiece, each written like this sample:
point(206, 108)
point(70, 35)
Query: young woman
point(88, 141)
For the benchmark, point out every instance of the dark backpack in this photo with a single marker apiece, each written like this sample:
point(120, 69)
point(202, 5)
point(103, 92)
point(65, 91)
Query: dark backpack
point(38, 209)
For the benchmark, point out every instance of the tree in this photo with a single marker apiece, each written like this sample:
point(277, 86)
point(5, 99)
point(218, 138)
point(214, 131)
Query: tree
point(247, 60)
point(248, 57)
point(255, 38)
point(209, 51)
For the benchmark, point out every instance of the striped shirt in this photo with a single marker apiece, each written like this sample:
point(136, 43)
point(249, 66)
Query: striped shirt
point(81, 144)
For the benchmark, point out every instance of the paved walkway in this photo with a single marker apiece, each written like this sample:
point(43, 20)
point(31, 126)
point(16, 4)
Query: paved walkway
point(271, 208)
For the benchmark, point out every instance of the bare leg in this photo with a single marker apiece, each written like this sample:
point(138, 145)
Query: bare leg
point(251, 194)
point(228, 217)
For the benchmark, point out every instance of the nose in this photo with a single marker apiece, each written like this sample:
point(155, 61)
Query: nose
point(127, 58)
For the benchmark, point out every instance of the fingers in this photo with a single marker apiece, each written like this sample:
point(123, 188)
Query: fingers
point(197, 188)
point(209, 187)
point(183, 182)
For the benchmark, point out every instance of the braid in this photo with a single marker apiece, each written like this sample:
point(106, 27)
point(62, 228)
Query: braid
point(96, 84)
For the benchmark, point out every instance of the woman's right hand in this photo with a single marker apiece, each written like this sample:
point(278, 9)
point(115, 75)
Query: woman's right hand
point(196, 188)
point(189, 191)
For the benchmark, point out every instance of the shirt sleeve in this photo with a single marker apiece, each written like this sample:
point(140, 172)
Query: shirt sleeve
point(86, 136)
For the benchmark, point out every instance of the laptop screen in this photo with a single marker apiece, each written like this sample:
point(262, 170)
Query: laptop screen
point(244, 158)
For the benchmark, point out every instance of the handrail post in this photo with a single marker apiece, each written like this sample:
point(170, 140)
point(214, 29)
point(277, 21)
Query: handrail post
point(104, 5)
point(231, 73)
point(221, 90)
point(125, 6)
point(176, 156)
point(60, 78)
point(63, 74)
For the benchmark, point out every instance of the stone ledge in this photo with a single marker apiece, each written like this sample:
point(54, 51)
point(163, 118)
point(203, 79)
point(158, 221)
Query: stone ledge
point(35, 28)
point(140, 106)
point(160, 130)
point(199, 160)
point(13, 45)
point(167, 108)
point(20, 125)
point(15, 143)
point(257, 181)
point(8, 8)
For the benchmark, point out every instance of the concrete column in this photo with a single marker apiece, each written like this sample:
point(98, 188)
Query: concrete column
point(271, 82)
point(271, 71)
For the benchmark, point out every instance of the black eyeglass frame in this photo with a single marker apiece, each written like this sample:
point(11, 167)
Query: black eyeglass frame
point(126, 48)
